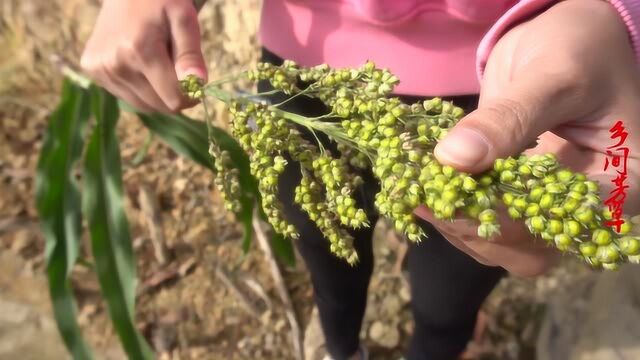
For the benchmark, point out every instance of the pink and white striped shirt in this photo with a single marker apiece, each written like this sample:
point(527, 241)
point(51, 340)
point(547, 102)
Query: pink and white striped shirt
point(436, 47)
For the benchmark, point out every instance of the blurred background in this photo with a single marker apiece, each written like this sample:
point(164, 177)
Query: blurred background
point(201, 298)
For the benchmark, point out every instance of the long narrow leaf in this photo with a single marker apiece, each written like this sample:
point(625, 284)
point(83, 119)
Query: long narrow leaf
point(185, 136)
point(188, 138)
point(108, 225)
point(283, 248)
point(59, 208)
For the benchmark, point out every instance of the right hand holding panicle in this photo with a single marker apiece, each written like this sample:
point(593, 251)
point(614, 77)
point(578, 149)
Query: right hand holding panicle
point(139, 49)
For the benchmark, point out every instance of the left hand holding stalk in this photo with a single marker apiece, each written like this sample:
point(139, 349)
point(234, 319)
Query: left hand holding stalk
point(565, 77)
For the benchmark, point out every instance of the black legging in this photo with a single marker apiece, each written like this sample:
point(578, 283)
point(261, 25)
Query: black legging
point(447, 286)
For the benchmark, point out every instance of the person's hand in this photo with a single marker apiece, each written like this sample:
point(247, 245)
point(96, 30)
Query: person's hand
point(140, 48)
point(567, 76)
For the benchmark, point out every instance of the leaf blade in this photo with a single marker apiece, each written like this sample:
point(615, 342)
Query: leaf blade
point(184, 136)
point(59, 208)
point(188, 138)
point(108, 224)
point(283, 248)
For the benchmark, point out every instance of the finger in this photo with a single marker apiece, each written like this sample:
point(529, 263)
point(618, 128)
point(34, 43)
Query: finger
point(460, 225)
point(104, 77)
point(522, 259)
point(157, 68)
point(515, 249)
point(452, 234)
point(460, 244)
point(185, 42)
point(423, 212)
point(507, 122)
point(134, 88)
point(145, 91)
point(131, 99)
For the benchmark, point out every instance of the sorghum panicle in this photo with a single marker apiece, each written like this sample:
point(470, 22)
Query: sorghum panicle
point(396, 141)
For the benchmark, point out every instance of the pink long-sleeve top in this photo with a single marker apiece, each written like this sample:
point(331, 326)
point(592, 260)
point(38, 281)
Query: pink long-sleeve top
point(435, 47)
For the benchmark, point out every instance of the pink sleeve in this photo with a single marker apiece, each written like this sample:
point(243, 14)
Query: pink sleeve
point(629, 10)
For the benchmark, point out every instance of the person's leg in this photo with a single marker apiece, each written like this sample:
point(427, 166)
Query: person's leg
point(340, 290)
point(448, 288)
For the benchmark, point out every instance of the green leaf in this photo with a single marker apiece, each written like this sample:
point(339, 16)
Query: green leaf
point(184, 137)
point(108, 225)
point(59, 208)
point(283, 248)
point(188, 138)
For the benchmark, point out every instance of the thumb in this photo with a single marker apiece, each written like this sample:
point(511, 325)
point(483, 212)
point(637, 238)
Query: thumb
point(507, 123)
point(185, 41)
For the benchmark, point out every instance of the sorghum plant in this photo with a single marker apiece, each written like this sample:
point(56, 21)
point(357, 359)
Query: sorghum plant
point(375, 130)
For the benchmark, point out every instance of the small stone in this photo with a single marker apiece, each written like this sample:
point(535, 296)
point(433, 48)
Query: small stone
point(243, 343)
point(405, 294)
point(86, 313)
point(407, 327)
point(255, 340)
point(232, 320)
point(268, 342)
point(279, 325)
point(376, 331)
point(265, 317)
point(385, 335)
point(164, 338)
point(198, 352)
point(20, 242)
point(391, 305)
point(180, 184)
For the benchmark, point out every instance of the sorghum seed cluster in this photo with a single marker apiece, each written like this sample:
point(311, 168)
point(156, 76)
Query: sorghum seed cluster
point(396, 141)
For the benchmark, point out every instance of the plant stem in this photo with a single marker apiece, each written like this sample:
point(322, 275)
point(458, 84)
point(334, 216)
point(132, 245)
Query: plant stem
point(505, 188)
point(331, 129)
point(224, 80)
point(143, 150)
point(303, 92)
point(73, 75)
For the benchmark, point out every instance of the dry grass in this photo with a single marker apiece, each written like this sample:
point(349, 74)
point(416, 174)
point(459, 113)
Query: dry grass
point(32, 31)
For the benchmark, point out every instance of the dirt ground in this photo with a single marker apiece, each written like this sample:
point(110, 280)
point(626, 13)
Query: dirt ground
point(184, 308)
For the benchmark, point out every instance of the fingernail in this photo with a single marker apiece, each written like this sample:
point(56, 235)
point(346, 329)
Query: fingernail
point(465, 147)
point(191, 71)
